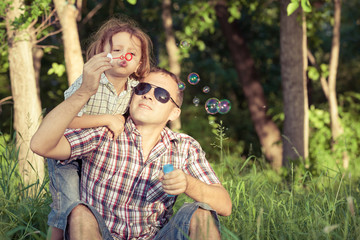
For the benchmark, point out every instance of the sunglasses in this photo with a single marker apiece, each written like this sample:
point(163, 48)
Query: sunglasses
point(161, 94)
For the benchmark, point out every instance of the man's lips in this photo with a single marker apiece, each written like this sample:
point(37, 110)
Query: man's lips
point(143, 105)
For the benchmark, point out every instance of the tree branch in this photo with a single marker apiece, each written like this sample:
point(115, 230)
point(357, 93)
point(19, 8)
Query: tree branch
point(323, 81)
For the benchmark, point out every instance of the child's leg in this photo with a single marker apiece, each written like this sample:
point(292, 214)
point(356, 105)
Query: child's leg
point(65, 190)
point(57, 234)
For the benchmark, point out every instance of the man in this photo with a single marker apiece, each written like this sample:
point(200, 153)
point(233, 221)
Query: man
point(124, 193)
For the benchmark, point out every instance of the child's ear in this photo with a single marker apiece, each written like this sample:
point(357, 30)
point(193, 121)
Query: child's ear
point(136, 73)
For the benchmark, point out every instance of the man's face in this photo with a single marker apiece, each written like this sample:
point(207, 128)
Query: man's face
point(146, 109)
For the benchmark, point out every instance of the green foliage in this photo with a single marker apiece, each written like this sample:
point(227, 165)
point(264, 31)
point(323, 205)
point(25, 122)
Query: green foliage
point(132, 2)
point(23, 212)
point(321, 151)
point(294, 4)
point(58, 69)
point(32, 11)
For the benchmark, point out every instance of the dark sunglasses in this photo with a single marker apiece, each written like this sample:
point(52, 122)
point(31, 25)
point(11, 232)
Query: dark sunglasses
point(161, 94)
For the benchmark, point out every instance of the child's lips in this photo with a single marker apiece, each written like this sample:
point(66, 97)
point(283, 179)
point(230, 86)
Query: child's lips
point(123, 64)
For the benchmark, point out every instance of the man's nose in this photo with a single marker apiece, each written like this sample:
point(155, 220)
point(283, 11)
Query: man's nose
point(149, 94)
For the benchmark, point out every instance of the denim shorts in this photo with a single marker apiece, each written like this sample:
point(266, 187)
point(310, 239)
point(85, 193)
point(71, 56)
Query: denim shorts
point(65, 190)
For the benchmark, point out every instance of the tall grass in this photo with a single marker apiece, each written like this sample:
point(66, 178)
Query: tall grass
point(23, 212)
point(294, 204)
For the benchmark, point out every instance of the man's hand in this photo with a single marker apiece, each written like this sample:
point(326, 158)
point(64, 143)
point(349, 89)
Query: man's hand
point(115, 123)
point(175, 182)
point(92, 72)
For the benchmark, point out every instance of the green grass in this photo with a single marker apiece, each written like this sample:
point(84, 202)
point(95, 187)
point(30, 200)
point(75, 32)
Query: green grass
point(292, 205)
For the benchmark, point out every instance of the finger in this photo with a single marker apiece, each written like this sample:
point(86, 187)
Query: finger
point(116, 135)
point(161, 176)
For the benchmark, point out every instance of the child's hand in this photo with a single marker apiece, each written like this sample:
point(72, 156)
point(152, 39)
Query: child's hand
point(115, 125)
point(93, 70)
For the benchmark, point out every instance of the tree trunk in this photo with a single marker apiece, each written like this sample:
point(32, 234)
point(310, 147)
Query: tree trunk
point(293, 53)
point(38, 53)
point(74, 62)
point(27, 106)
point(171, 48)
point(266, 129)
point(336, 128)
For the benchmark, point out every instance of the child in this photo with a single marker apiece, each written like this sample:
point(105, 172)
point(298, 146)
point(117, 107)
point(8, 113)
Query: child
point(129, 50)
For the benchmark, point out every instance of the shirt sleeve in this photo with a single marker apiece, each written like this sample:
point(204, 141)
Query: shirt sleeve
point(197, 164)
point(84, 141)
point(72, 89)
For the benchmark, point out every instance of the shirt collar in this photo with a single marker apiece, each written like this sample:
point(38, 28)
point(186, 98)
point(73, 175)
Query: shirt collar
point(167, 135)
point(130, 82)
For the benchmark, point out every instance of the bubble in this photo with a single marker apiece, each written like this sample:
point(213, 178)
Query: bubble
point(211, 106)
point(206, 89)
point(196, 101)
point(185, 44)
point(193, 78)
point(181, 86)
point(224, 106)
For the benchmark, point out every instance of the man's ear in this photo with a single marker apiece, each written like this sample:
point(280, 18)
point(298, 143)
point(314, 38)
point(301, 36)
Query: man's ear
point(175, 113)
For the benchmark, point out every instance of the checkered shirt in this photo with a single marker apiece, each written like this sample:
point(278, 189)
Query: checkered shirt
point(123, 186)
point(105, 100)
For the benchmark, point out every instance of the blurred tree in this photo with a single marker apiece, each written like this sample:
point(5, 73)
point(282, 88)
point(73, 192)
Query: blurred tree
point(68, 14)
point(27, 106)
point(266, 129)
point(293, 49)
point(172, 49)
point(330, 91)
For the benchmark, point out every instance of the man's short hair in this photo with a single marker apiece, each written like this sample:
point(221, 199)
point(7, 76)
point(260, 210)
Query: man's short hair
point(180, 94)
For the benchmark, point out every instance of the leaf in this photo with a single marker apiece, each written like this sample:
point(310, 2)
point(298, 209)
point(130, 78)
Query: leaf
point(313, 73)
point(234, 12)
point(292, 7)
point(305, 4)
point(132, 2)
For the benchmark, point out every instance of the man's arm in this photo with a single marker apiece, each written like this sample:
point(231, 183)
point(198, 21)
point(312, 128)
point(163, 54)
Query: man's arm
point(48, 141)
point(177, 182)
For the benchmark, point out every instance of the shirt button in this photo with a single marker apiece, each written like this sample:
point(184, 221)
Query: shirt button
point(131, 224)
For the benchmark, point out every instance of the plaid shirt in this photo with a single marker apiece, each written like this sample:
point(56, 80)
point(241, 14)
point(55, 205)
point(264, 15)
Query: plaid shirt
point(105, 100)
point(123, 186)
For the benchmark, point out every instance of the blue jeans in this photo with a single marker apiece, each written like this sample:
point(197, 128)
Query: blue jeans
point(65, 190)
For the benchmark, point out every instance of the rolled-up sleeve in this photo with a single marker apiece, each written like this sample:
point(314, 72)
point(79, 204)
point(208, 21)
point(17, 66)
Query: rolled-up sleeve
point(83, 141)
point(197, 164)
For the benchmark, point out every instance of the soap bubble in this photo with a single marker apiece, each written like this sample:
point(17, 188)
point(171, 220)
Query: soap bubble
point(185, 44)
point(206, 89)
point(212, 105)
point(196, 101)
point(224, 106)
point(193, 78)
point(181, 86)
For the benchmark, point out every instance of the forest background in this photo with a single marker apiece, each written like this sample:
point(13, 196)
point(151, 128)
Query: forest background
point(289, 69)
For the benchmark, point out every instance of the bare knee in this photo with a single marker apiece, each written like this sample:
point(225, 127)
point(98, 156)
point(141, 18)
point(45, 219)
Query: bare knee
point(78, 214)
point(82, 224)
point(203, 226)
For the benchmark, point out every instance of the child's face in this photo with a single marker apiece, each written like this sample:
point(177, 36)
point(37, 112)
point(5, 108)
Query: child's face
point(126, 52)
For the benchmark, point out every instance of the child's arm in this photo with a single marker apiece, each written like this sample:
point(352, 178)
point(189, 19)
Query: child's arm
point(115, 123)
